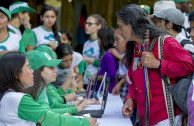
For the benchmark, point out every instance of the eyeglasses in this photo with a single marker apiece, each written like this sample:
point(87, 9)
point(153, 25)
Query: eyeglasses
point(51, 67)
point(26, 68)
point(89, 23)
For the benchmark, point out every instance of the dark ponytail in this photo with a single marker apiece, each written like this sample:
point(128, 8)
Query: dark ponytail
point(129, 53)
point(55, 26)
point(22, 28)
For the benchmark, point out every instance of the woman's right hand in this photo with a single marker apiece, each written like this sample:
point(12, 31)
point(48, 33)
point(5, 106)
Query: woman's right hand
point(74, 71)
point(84, 103)
point(52, 45)
point(115, 53)
point(25, 20)
point(128, 107)
point(93, 121)
point(70, 97)
point(116, 90)
point(80, 107)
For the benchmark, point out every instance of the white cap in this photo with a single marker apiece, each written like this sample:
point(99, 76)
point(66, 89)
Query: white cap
point(162, 5)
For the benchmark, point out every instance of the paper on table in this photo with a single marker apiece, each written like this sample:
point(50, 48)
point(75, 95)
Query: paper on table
point(83, 116)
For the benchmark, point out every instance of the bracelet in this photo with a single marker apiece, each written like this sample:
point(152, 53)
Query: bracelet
point(159, 65)
point(64, 99)
point(128, 97)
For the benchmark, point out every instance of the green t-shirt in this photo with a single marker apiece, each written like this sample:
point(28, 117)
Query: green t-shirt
point(50, 103)
point(41, 36)
point(26, 34)
point(12, 42)
point(32, 111)
point(53, 91)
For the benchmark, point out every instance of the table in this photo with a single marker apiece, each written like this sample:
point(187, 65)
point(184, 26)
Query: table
point(113, 113)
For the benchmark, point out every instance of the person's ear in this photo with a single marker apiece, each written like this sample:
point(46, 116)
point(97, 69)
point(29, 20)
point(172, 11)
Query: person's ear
point(17, 76)
point(41, 17)
point(99, 26)
point(70, 42)
point(169, 25)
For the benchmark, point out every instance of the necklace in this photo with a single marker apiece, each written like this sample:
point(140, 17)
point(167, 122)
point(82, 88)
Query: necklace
point(137, 57)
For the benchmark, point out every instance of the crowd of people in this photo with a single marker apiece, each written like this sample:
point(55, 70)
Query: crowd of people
point(40, 72)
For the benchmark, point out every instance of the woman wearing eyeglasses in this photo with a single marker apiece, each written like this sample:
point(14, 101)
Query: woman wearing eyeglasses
point(91, 48)
point(45, 73)
point(19, 109)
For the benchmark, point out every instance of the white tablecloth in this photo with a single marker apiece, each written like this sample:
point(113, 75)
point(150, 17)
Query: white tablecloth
point(113, 113)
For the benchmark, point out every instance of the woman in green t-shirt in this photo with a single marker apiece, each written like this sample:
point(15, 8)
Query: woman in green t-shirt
point(15, 76)
point(8, 40)
point(45, 73)
point(47, 32)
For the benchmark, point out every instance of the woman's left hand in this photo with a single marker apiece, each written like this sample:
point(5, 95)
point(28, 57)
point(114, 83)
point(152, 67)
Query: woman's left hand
point(149, 60)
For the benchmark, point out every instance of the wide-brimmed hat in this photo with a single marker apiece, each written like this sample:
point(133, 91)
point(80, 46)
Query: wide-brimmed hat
point(20, 7)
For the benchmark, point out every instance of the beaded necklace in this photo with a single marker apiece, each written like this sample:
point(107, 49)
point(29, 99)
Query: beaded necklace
point(137, 57)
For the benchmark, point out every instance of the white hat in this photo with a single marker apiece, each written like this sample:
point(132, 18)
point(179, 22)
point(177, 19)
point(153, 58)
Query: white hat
point(173, 15)
point(162, 5)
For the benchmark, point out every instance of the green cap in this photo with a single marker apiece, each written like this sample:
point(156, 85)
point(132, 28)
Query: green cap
point(180, 1)
point(20, 7)
point(46, 49)
point(147, 8)
point(6, 11)
point(38, 59)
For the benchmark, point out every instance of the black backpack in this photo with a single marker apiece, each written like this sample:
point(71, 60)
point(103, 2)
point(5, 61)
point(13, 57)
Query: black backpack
point(189, 46)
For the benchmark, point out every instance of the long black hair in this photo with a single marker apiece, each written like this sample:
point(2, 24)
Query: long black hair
point(37, 88)
point(135, 16)
point(10, 66)
point(55, 26)
point(106, 35)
